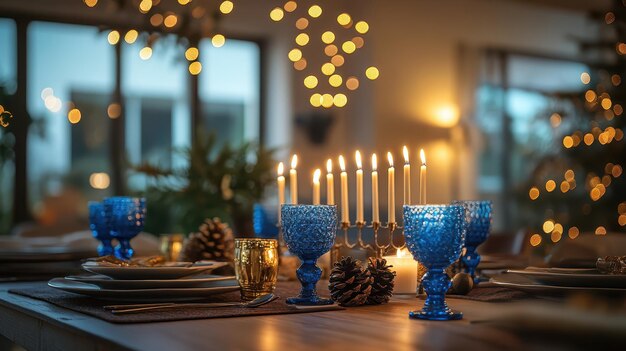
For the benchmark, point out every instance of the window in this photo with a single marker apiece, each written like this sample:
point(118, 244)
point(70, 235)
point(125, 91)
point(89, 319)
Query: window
point(71, 76)
point(69, 67)
point(516, 126)
point(7, 87)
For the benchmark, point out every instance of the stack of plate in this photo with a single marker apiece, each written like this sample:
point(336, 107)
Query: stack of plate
point(562, 281)
point(177, 281)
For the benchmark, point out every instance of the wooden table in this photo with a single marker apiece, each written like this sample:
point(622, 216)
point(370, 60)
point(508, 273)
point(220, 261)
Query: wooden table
point(38, 325)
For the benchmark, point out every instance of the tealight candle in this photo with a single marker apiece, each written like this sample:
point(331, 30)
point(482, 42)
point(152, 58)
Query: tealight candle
point(293, 180)
point(406, 272)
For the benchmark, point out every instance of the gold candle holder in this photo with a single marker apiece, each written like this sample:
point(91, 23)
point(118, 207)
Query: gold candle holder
point(172, 245)
point(256, 266)
point(376, 246)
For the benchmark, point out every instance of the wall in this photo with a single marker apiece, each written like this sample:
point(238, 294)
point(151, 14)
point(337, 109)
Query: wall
point(415, 45)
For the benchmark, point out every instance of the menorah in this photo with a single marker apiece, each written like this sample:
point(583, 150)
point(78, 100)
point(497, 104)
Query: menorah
point(378, 248)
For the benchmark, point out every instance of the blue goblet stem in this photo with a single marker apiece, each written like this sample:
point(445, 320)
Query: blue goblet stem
point(471, 259)
point(105, 248)
point(436, 283)
point(124, 251)
point(309, 274)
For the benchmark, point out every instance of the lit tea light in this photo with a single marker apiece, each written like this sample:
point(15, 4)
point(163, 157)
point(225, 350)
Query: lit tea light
point(406, 272)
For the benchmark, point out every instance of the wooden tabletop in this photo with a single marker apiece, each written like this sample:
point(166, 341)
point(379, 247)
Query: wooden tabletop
point(38, 325)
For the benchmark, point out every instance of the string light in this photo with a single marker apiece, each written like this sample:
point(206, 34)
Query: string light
point(315, 11)
point(218, 40)
point(226, 7)
point(195, 68)
point(113, 37)
point(145, 53)
point(192, 53)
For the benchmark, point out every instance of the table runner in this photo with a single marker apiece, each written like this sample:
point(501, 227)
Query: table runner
point(94, 307)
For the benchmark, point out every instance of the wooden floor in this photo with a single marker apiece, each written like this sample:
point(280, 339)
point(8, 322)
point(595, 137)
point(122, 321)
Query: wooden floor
point(38, 325)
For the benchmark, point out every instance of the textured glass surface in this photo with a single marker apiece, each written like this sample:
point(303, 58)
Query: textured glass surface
point(309, 232)
point(126, 218)
point(434, 234)
point(99, 225)
point(478, 223)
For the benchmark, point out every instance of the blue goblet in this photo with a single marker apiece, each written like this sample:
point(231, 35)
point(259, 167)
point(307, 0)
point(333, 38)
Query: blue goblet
point(434, 234)
point(478, 224)
point(99, 225)
point(309, 232)
point(126, 217)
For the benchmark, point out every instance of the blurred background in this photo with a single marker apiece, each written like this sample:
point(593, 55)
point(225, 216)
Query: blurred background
point(193, 103)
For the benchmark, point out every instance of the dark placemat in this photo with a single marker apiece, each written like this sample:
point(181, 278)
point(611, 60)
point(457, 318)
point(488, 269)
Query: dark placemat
point(487, 292)
point(94, 307)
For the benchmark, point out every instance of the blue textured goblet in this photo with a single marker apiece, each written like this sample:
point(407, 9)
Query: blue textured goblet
point(478, 223)
point(99, 225)
point(126, 217)
point(434, 234)
point(309, 232)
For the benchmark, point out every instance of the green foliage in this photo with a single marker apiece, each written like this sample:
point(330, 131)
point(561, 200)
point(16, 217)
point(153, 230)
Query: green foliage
point(221, 183)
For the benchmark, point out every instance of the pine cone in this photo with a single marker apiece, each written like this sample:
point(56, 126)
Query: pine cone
point(214, 241)
point(350, 284)
point(382, 288)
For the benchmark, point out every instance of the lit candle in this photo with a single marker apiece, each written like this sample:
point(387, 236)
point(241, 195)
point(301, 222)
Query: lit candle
point(375, 215)
point(316, 186)
point(391, 189)
point(345, 215)
point(423, 178)
point(330, 183)
point(407, 176)
point(281, 188)
point(293, 180)
point(405, 281)
point(359, 188)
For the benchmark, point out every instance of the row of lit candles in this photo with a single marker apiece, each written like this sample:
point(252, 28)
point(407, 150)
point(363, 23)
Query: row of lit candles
point(330, 186)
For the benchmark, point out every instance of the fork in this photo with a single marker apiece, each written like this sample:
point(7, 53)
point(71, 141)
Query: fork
point(127, 309)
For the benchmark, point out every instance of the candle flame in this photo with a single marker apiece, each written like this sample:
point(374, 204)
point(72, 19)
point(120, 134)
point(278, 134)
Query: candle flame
point(329, 166)
point(316, 175)
point(357, 156)
point(405, 152)
point(294, 161)
point(281, 169)
point(390, 159)
point(342, 163)
point(423, 157)
point(402, 253)
point(374, 162)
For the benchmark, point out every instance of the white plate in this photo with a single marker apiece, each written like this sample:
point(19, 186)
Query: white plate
point(153, 273)
point(139, 295)
point(522, 283)
point(572, 277)
point(202, 281)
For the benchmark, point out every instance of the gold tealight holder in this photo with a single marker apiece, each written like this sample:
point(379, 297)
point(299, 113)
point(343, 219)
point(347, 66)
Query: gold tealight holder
point(256, 266)
point(172, 245)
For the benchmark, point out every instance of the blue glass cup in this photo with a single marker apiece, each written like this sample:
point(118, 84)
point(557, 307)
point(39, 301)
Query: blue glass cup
point(309, 232)
point(99, 226)
point(126, 219)
point(434, 234)
point(478, 224)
